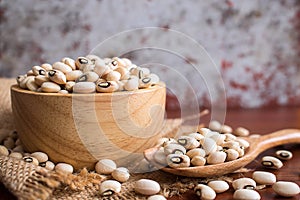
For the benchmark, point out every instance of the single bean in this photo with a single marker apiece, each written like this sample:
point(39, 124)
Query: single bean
point(286, 189)
point(105, 166)
point(110, 187)
point(218, 186)
point(205, 192)
point(64, 168)
point(271, 162)
point(245, 194)
point(146, 187)
point(264, 178)
point(284, 154)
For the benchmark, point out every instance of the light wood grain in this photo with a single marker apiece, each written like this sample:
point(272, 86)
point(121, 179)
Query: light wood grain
point(82, 128)
point(257, 146)
point(5, 104)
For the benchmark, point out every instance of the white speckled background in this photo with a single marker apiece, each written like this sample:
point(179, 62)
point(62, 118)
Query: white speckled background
point(255, 44)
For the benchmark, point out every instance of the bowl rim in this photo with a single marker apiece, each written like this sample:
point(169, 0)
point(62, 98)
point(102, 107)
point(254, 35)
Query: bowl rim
point(159, 85)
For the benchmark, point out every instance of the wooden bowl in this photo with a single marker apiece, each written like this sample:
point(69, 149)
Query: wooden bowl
point(80, 129)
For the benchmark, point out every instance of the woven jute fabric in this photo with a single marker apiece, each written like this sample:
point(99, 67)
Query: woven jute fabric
point(28, 181)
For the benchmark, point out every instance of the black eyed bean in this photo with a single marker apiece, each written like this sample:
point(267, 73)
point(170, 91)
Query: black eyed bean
point(284, 154)
point(271, 162)
point(107, 86)
point(178, 161)
point(110, 187)
point(205, 192)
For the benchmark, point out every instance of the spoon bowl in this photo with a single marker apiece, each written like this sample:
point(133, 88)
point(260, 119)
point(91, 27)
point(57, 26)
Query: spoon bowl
point(257, 146)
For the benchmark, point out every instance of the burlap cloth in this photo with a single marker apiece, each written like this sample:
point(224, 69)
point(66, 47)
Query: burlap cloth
point(27, 181)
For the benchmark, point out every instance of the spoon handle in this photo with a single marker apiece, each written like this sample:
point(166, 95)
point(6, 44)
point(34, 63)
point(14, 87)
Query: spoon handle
point(277, 138)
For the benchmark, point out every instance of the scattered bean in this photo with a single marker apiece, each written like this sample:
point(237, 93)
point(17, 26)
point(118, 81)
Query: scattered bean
point(264, 178)
point(245, 194)
point(40, 156)
point(271, 162)
point(121, 174)
point(218, 186)
point(48, 165)
point(205, 192)
point(30, 159)
point(284, 154)
point(64, 168)
point(286, 189)
point(244, 183)
point(110, 187)
point(146, 187)
point(105, 166)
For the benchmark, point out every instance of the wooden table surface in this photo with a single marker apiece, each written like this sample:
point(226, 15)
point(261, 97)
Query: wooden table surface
point(260, 121)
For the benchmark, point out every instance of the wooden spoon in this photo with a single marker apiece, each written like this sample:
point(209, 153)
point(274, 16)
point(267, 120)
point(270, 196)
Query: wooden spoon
point(257, 146)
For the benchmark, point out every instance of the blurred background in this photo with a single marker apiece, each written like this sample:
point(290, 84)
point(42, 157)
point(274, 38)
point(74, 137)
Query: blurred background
point(254, 44)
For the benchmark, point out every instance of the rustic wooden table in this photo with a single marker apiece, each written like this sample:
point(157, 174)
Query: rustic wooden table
point(262, 121)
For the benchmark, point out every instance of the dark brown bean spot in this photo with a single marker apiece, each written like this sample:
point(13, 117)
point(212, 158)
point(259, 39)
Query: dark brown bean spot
point(42, 72)
point(83, 61)
point(141, 74)
point(43, 164)
point(284, 155)
point(104, 84)
point(267, 163)
point(51, 72)
point(146, 80)
point(114, 63)
point(82, 78)
point(182, 141)
point(176, 160)
point(28, 159)
point(249, 187)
